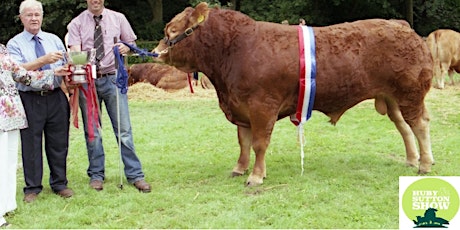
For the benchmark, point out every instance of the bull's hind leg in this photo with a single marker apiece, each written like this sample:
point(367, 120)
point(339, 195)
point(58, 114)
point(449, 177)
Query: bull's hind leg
point(421, 129)
point(245, 141)
point(444, 73)
point(394, 113)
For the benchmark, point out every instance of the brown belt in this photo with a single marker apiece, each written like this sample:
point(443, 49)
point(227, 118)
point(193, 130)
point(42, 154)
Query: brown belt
point(98, 75)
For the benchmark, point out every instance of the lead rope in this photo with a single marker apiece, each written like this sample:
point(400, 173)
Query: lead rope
point(122, 76)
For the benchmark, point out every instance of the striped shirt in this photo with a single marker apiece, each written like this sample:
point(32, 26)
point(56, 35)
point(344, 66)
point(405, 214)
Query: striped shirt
point(22, 49)
point(115, 28)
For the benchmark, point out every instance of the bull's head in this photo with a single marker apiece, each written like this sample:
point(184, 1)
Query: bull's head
point(176, 32)
point(182, 26)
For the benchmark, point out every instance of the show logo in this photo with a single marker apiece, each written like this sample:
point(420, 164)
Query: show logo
point(429, 202)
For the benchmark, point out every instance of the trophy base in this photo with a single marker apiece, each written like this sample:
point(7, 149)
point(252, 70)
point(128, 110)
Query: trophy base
point(78, 79)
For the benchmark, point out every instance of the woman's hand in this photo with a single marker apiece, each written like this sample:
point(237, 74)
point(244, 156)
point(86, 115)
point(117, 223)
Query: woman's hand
point(62, 71)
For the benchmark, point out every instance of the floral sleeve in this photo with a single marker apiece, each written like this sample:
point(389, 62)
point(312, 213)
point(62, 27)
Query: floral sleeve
point(36, 79)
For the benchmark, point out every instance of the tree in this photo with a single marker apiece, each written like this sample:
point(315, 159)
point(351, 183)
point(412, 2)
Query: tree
point(432, 15)
point(156, 6)
point(410, 12)
point(9, 23)
point(149, 17)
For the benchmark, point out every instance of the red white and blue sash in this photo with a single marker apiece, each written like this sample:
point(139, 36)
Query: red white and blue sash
point(307, 78)
point(307, 82)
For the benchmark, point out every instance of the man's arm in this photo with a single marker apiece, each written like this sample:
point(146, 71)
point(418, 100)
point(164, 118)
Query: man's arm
point(14, 49)
point(35, 64)
point(49, 58)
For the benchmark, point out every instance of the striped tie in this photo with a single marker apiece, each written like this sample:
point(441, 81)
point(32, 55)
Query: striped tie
point(98, 40)
point(39, 51)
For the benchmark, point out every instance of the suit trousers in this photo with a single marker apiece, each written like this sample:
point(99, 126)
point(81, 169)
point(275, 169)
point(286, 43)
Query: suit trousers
point(48, 117)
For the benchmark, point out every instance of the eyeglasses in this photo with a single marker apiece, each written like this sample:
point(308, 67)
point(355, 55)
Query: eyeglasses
point(29, 16)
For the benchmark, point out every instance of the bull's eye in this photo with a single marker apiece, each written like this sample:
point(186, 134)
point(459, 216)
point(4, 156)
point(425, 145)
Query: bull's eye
point(172, 30)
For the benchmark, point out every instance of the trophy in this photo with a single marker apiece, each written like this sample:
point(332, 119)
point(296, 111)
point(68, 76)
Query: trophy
point(80, 62)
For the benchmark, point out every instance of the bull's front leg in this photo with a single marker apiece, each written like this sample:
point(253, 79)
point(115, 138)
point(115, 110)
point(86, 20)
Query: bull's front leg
point(260, 141)
point(259, 172)
point(245, 141)
point(451, 76)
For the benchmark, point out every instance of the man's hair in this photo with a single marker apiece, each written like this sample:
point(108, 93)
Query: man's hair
point(29, 4)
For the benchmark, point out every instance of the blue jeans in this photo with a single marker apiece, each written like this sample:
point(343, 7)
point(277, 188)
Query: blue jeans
point(107, 92)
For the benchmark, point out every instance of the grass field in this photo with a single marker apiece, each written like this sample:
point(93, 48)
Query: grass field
point(188, 150)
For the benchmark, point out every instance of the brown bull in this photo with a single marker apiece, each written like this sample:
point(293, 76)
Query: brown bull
point(163, 76)
point(445, 48)
point(254, 67)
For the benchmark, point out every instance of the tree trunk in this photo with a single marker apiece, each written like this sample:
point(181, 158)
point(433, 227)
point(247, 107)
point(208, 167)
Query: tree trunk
point(236, 4)
point(156, 7)
point(410, 12)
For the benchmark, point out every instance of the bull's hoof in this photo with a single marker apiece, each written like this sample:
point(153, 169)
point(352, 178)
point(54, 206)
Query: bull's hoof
point(254, 180)
point(252, 184)
point(238, 171)
point(420, 172)
point(424, 170)
point(412, 163)
point(235, 174)
point(439, 87)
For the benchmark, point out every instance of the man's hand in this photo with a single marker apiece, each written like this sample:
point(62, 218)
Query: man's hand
point(52, 57)
point(122, 48)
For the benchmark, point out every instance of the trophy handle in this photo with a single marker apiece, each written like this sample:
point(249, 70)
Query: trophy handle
point(92, 56)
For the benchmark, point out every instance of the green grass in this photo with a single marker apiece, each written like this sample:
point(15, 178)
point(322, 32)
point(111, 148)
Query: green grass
point(188, 150)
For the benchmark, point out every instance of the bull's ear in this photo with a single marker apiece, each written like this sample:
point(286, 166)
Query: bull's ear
point(200, 14)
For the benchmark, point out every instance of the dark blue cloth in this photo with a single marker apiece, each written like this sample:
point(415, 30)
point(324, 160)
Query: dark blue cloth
point(122, 77)
point(40, 51)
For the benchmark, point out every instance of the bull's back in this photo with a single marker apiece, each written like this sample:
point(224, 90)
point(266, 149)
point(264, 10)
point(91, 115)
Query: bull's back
point(362, 59)
point(431, 43)
point(444, 45)
point(449, 47)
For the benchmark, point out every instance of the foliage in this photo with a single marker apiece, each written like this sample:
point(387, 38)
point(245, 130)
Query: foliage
point(276, 11)
point(428, 15)
point(59, 13)
point(10, 24)
point(210, 2)
point(436, 15)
